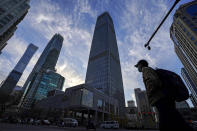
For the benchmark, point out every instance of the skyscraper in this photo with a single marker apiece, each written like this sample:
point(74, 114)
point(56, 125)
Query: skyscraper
point(12, 13)
point(104, 71)
point(183, 32)
point(46, 62)
point(9, 84)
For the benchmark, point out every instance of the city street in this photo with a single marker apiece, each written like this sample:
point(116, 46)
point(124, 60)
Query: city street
point(19, 127)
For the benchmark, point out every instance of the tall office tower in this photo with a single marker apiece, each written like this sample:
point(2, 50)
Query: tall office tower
point(12, 13)
point(191, 86)
point(47, 61)
point(104, 71)
point(183, 32)
point(9, 84)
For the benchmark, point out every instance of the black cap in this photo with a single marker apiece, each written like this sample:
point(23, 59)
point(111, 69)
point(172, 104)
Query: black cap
point(143, 62)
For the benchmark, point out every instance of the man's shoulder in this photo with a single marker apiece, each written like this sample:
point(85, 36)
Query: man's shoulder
point(149, 72)
point(147, 69)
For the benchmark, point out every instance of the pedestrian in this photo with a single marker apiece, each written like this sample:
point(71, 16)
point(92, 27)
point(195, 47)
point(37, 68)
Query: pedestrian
point(160, 89)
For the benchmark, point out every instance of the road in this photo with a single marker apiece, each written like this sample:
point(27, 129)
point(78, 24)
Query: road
point(19, 127)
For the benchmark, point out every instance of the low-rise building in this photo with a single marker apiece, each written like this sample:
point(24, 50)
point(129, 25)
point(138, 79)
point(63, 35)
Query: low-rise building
point(82, 103)
point(132, 115)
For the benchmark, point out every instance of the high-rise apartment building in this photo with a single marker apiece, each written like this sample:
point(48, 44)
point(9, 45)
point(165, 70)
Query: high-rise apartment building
point(104, 70)
point(12, 13)
point(9, 84)
point(183, 32)
point(191, 86)
point(46, 62)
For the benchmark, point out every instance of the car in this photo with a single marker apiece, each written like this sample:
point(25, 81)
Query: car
point(46, 122)
point(70, 122)
point(110, 124)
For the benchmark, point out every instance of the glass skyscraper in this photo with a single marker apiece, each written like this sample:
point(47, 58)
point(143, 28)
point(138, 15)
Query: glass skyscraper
point(46, 62)
point(12, 13)
point(9, 84)
point(183, 32)
point(104, 70)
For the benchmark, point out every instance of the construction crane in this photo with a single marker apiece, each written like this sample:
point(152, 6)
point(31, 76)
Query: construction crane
point(147, 45)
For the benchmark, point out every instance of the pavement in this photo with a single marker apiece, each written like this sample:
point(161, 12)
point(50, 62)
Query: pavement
point(20, 127)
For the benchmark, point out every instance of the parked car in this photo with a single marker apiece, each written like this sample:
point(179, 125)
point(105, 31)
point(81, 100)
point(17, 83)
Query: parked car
point(110, 124)
point(46, 122)
point(70, 122)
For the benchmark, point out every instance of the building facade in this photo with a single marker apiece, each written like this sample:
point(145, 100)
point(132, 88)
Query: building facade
point(104, 70)
point(47, 61)
point(145, 111)
point(49, 81)
point(9, 84)
point(191, 86)
point(131, 103)
point(132, 115)
point(82, 103)
point(12, 13)
point(183, 32)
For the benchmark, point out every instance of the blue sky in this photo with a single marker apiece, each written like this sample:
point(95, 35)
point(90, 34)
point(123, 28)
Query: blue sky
point(134, 22)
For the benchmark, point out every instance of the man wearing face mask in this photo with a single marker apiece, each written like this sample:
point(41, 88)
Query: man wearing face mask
point(160, 94)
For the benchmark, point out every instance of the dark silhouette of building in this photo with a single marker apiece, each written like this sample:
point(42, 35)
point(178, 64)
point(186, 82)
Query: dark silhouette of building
point(104, 70)
point(12, 13)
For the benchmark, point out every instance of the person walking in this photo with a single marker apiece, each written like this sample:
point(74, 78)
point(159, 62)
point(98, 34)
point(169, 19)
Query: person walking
point(163, 89)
